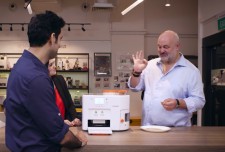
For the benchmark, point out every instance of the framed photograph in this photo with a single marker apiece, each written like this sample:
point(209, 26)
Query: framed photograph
point(98, 82)
point(127, 74)
point(124, 62)
point(102, 64)
point(106, 82)
point(116, 78)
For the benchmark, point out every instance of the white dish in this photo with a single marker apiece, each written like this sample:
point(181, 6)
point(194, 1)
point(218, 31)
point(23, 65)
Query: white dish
point(153, 128)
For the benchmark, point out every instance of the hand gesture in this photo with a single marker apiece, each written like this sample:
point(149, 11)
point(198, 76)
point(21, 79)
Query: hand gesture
point(139, 62)
point(169, 104)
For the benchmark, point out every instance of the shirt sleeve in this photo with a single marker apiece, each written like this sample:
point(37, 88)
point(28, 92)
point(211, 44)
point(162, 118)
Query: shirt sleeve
point(196, 99)
point(140, 85)
point(42, 108)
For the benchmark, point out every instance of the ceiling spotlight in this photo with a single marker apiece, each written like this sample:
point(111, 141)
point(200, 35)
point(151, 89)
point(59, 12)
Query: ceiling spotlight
point(167, 3)
point(0, 27)
point(82, 28)
point(11, 29)
point(22, 28)
point(68, 27)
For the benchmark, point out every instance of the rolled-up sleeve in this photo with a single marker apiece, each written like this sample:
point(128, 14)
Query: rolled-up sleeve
point(140, 85)
point(196, 98)
point(43, 110)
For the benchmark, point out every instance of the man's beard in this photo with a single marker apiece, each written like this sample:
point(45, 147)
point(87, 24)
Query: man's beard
point(164, 58)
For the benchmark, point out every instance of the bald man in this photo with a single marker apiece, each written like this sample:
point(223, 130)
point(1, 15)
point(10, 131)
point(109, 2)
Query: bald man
point(173, 85)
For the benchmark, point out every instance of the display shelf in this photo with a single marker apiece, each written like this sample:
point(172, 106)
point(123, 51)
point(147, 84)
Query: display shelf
point(74, 67)
point(5, 70)
point(80, 88)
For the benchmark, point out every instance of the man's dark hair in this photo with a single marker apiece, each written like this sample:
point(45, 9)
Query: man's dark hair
point(41, 27)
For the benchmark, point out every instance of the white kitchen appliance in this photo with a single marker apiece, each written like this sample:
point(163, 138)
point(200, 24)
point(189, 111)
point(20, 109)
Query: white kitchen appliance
point(102, 114)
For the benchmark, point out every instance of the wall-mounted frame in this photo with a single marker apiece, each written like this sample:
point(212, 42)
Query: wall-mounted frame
point(124, 62)
point(102, 64)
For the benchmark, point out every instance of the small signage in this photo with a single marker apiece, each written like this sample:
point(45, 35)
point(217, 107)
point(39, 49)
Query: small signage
point(221, 23)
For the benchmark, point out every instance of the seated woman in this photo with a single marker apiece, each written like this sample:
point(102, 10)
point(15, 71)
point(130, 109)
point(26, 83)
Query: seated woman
point(63, 97)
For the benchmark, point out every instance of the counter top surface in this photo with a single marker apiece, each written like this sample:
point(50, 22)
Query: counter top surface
point(176, 136)
point(135, 139)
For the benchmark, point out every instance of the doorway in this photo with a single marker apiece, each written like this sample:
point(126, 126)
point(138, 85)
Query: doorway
point(214, 79)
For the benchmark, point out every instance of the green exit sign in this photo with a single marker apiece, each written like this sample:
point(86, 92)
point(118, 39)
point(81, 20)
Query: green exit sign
point(221, 23)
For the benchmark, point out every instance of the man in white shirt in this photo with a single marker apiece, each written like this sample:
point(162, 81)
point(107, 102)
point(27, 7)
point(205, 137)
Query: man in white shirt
point(173, 85)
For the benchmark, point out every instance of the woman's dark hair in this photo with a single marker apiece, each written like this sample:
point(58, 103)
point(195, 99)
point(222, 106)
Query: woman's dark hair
point(41, 27)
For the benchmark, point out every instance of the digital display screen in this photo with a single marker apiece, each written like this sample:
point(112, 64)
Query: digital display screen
point(99, 101)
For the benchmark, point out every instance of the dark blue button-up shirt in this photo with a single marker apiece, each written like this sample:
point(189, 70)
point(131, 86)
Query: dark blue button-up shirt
point(33, 121)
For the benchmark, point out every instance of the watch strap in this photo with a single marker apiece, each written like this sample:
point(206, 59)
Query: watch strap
point(136, 74)
point(178, 103)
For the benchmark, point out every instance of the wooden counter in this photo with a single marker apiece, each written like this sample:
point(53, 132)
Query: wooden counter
point(182, 139)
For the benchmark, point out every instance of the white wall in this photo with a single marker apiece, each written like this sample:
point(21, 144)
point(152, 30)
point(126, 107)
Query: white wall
point(209, 12)
point(128, 37)
point(180, 17)
point(121, 45)
point(112, 32)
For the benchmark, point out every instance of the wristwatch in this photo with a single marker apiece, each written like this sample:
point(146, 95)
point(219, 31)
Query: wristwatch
point(136, 74)
point(178, 103)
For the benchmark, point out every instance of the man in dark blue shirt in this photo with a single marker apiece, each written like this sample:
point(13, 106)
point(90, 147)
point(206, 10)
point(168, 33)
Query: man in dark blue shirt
point(33, 121)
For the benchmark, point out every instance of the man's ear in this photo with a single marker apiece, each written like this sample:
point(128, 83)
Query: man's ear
point(178, 46)
point(52, 39)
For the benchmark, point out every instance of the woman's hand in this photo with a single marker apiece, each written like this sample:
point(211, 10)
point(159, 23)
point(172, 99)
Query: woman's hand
point(75, 122)
point(69, 123)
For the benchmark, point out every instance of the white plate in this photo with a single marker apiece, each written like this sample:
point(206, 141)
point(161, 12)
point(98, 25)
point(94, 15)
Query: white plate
point(153, 128)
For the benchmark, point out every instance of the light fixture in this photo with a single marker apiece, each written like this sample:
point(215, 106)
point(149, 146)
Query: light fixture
point(11, 29)
point(82, 28)
point(22, 28)
point(28, 6)
point(27, 2)
point(68, 27)
point(131, 7)
point(167, 3)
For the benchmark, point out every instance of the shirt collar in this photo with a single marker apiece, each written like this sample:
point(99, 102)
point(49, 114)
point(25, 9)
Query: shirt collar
point(35, 60)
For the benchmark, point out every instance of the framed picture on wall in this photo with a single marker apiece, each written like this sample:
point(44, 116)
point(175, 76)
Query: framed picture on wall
point(124, 62)
point(102, 64)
